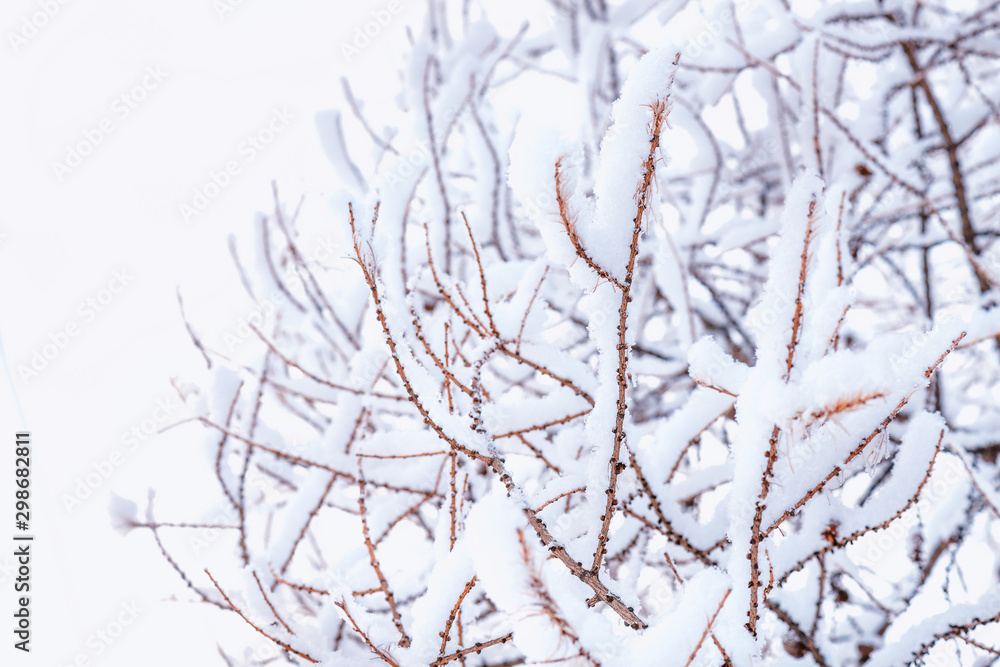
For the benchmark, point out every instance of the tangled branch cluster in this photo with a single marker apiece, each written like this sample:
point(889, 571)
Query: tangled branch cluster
point(574, 403)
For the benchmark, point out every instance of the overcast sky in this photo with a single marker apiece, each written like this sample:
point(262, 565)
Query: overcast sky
point(116, 117)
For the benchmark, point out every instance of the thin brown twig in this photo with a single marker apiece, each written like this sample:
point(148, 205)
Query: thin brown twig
point(373, 559)
point(274, 611)
point(708, 627)
point(454, 614)
point(386, 658)
point(277, 641)
point(475, 648)
point(659, 110)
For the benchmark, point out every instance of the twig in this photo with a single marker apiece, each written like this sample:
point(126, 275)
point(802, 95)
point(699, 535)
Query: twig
point(254, 626)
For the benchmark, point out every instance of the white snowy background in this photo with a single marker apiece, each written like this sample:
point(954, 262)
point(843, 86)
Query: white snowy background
point(225, 68)
point(200, 78)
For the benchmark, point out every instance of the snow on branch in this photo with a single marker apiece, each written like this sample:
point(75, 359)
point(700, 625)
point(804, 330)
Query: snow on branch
point(704, 374)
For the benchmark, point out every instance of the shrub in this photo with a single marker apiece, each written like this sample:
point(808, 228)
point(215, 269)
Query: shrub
point(572, 403)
